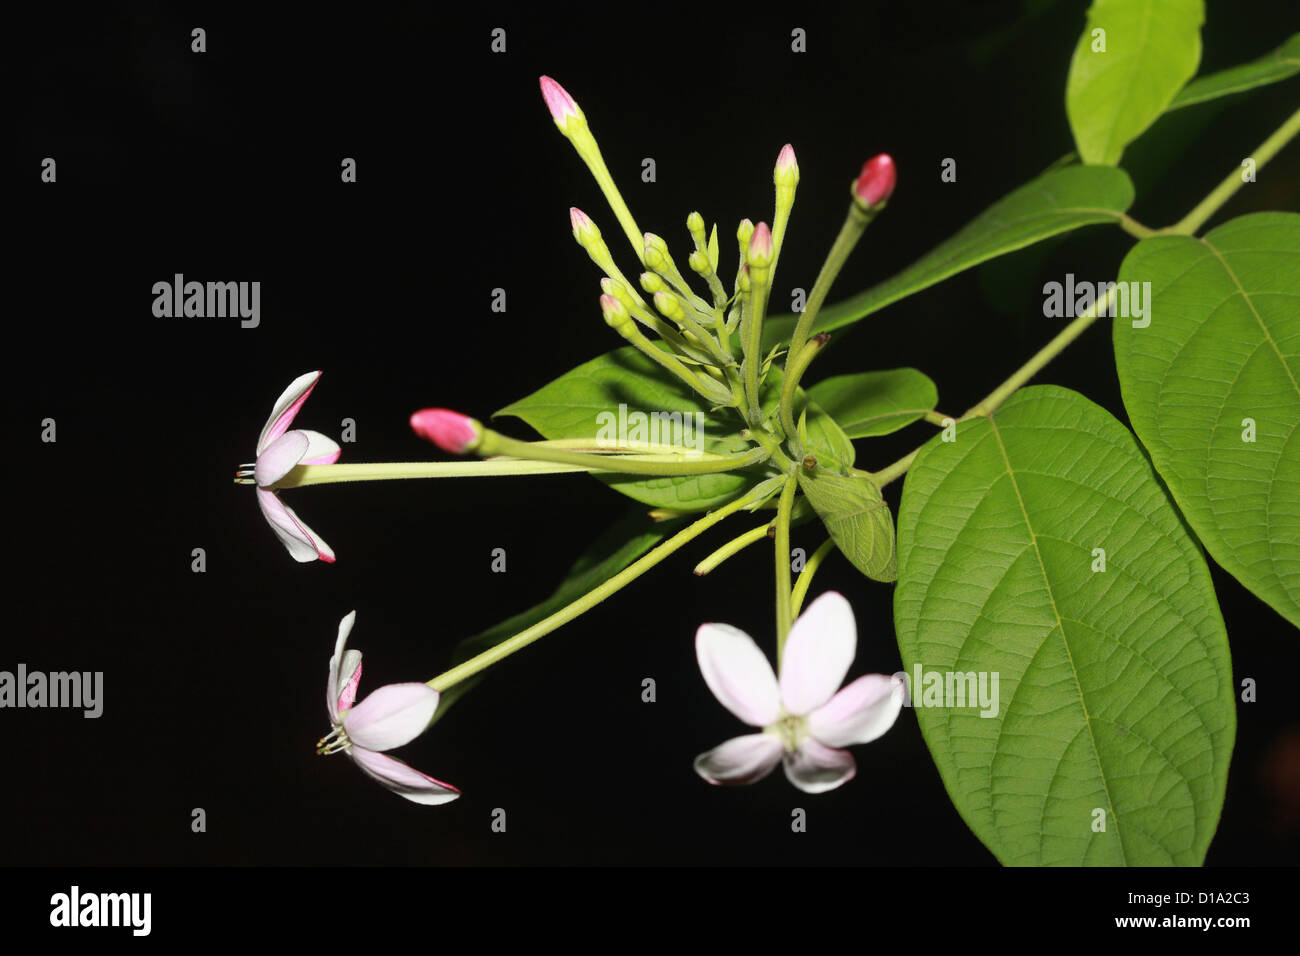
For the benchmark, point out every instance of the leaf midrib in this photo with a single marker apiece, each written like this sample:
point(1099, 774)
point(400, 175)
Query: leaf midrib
point(1060, 623)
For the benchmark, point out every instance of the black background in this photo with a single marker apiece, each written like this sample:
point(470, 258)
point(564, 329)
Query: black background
point(225, 166)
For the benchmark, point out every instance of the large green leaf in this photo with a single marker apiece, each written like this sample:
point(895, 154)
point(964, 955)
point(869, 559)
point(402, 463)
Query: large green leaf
point(1055, 202)
point(621, 543)
point(876, 403)
point(1115, 686)
point(1223, 346)
point(571, 407)
point(857, 518)
point(1278, 65)
point(1152, 47)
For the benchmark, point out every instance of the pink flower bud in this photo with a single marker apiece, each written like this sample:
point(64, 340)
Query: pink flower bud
point(787, 169)
point(584, 230)
point(760, 246)
point(559, 102)
point(450, 431)
point(875, 184)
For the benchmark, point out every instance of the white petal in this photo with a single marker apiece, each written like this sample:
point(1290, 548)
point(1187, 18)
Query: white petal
point(286, 407)
point(738, 673)
point(280, 457)
point(740, 759)
point(295, 535)
point(818, 653)
point(321, 449)
point(402, 778)
point(860, 712)
point(390, 716)
point(816, 768)
point(343, 666)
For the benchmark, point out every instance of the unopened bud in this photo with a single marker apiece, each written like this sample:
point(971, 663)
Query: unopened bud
point(616, 315)
point(786, 174)
point(450, 431)
point(667, 304)
point(759, 255)
point(875, 184)
point(563, 109)
point(652, 284)
point(584, 230)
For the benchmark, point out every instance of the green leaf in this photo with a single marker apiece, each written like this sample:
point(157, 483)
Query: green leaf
point(623, 542)
point(1115, 687)
point(1152, 47)
point(713, 248)
point(857, 518)
point(1055, 202)
point(876, 403)
point(1282, 63)
point(581, 401)
point(1223, 346)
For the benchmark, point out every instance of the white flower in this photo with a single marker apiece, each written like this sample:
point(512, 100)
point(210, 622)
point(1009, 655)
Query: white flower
point(279, 451)
point(389, 717)
point(804, 720)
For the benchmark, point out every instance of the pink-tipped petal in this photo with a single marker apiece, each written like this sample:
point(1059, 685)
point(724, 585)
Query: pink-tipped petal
point(740, 760)
point(786, 161)
point(558, 101)
point(876, 182)
point(337, 671)
point(816, 768)
point(760, 246)
point(818, 653)
point(303, 545)
point(403, 779)
point(738, 673)
point(860, 712)
point(321, 449)
point(391, 716)
point(450, 431)
point(280, 457)
point(286, 407)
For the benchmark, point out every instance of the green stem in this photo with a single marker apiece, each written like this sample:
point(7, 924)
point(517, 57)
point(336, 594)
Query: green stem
point(304, 475)
point(593, 597)
point(783, 618)
point(805, 577)
point(794, 369)
point(494, 443)
point(733, 547)
point(758, 278)
point(1135, 228)
point(850, 233)
point(1018, 378)
point(1208, 206)
point(1043, 356)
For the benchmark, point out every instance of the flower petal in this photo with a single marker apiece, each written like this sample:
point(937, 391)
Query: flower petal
point(302, 543)
point(860, 712)
point(286, 407)
point(818, 653)
point(740, 759)
point(738, 673)
point(280, 458)
point(402, 778)
point(391, 715)
point(321, 449)
point(816, 768)
point(345, 670)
